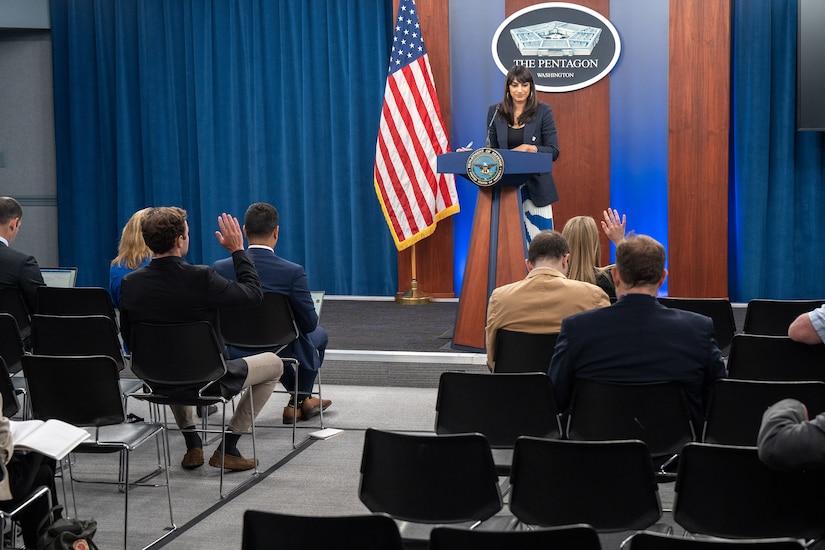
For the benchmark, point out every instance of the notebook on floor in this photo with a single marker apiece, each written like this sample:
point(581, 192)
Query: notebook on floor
point(318, 300)
point(63, 277)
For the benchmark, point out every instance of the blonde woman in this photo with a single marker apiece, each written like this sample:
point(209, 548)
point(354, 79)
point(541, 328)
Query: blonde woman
point(582, 235)
point(132, 254)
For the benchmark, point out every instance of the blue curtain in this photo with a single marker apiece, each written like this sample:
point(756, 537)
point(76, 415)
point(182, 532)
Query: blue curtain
point(213, 105)
point(777, 192)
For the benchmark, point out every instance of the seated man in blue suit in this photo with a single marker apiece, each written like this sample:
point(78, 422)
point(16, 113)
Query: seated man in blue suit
point(284, 277)
point(637, 339)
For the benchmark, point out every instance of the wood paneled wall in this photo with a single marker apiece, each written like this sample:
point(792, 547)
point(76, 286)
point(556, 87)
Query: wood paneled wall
point(698, 148)
point(582, 171)
point(699, 126)
point(433, 255)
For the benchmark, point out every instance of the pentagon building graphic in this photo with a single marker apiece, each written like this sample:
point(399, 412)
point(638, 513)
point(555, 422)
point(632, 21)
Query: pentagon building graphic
point(556, 38)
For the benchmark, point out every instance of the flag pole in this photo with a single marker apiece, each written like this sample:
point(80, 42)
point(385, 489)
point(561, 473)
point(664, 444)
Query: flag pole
point(413, 297)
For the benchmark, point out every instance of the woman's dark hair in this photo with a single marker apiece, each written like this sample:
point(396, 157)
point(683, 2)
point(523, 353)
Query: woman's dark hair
point(506, 107)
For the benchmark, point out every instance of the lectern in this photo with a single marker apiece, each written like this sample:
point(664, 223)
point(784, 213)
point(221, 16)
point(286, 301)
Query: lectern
point(498, 243)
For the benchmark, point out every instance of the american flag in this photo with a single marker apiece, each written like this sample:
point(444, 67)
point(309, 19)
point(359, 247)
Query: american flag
point(413, 196)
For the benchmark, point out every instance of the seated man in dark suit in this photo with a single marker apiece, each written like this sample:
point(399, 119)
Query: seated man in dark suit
point(17, 269)
point(169, 290)
point(637, 339)
point(284, 277)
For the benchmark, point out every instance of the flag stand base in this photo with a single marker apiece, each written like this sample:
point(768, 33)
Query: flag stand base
point(412, 297)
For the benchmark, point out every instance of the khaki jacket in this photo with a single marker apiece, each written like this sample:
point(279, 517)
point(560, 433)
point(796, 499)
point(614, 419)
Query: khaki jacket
point(537, 304)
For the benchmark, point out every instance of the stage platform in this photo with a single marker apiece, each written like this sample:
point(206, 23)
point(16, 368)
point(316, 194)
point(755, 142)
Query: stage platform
point(374, 341)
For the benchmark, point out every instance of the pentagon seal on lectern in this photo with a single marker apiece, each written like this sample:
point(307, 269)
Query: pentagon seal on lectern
point(485, 167)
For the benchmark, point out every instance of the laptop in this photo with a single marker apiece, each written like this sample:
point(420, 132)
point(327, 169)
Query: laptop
point(63, 277)
point(318, 300)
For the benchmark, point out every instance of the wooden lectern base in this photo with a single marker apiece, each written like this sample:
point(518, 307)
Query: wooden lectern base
point(491, 262)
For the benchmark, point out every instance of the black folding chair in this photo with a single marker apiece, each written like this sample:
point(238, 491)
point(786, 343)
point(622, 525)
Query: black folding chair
point(429, 479)
point(12, 350)
point(523, 352)
point(718, 309)
point(269, 325)
point(502, 407)
point(11, 302)
point(773, 317)
point(656, 413)
point(10, 516)
point(76, 335)
point(578, 536)
point(53, 300)
point(84, 391)
point(263, 530)
point(659, 541)
point(760, 357)
point(11, 406)
point(726, 491)
point(735, 407)
point(606, 484)
point(181, 365)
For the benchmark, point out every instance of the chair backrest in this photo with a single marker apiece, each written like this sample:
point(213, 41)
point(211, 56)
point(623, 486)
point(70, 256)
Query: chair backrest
point(76, 335)
point(11, 342)
point(83, 391)
point(75, 301)
point(11, 301)
point(523, 352)
point(579, 536)
point(760, 357)
point(735, 407)
point(11, 406)
point(656, 413)
point(726, 491)
point(718, 309)
point(368, 532)
point(648, 540)
point(270, 324)
point(607, 484)
point(184, 356)
point(773, 317)
point(428, 478)
point(484, 403)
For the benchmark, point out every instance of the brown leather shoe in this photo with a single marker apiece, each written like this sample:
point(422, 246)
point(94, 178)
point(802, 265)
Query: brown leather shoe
point(231, 462)
point(289, 413)
point(192, 459)
point(311, 406)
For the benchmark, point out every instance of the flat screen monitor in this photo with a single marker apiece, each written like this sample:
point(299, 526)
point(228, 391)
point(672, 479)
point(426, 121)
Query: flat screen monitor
point(64, 277)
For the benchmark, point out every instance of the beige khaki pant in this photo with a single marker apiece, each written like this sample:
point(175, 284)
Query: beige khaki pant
point(263, 372)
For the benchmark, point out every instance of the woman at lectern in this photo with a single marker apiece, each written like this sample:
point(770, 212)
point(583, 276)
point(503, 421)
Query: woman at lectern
point(521, 123)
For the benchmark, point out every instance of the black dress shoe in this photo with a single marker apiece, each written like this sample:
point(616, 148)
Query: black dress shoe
point(210, 410)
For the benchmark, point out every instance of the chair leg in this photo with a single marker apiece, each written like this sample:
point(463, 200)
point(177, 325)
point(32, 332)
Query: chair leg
point(252, 427)
point(320, 397)
point(295, 403)
point(124, 459)
point(68, 465)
